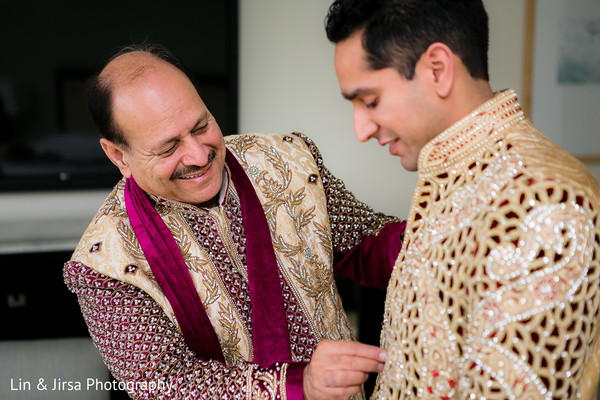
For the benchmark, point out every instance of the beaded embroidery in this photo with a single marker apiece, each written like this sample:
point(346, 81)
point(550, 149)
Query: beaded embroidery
point(496, 292)
point(131, 322)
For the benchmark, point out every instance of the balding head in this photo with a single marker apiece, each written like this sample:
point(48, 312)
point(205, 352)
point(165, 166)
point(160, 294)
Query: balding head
point(162, 133)
point(124, 68)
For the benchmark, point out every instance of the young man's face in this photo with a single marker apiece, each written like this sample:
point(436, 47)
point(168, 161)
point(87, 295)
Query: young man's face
point(175, 147)
point(387, 107)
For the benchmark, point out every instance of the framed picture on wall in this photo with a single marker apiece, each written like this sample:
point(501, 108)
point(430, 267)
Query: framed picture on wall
point(562, 73)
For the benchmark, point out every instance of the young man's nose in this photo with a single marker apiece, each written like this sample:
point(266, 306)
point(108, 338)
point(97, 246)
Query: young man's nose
point(364, 127)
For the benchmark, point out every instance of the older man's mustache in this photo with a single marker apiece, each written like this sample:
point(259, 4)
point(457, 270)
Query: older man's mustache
point(193, 169)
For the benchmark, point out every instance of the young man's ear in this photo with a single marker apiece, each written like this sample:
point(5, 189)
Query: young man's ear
point(438, 60)
point(116, 155)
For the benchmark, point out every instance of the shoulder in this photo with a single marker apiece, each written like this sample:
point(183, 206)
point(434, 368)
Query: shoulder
point(274, 139)
point(550, 168)
point(109, 245)
point(296, 145)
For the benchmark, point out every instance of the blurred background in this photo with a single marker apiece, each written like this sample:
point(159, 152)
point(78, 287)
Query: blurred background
point(262, 66)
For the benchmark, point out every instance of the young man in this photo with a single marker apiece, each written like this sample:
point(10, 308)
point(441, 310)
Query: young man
point(496, 291)
point(208, 271)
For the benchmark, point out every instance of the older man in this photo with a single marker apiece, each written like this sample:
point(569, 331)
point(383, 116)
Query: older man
point(496, 291)
point(208, 271)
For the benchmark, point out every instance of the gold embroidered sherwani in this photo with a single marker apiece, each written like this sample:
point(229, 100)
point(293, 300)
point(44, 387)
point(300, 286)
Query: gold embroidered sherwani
point(311, 217)
point(495, 293)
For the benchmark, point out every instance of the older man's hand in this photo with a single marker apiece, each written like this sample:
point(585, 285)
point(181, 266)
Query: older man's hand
point(338, 369)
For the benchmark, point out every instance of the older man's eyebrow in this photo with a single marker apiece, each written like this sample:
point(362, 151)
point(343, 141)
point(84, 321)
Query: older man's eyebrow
point(167, 142)
point(201, 120)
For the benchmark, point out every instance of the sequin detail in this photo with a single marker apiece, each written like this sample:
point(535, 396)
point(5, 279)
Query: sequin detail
point(140, 344)
point(96, 247)
point(495, 294)
point(212, 243)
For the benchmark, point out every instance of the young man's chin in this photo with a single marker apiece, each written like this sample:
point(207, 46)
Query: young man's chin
point(396, 148)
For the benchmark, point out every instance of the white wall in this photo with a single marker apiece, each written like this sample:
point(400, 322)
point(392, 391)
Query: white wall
point(507, 41)
point(288, 83)
point(46, 221)
point(566, 112)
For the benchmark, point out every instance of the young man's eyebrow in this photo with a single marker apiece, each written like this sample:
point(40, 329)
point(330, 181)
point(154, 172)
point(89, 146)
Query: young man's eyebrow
point(354, 94)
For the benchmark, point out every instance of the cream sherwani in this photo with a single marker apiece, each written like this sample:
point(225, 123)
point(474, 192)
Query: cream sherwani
point(496, 291)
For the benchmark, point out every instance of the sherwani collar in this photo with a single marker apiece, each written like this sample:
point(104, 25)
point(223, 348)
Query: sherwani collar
point(460, 144)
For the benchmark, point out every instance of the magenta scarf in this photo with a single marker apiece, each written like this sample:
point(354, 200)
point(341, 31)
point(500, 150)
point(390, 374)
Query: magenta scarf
point(269, 325)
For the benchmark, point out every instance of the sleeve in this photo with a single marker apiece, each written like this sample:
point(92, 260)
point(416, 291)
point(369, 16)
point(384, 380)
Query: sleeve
point(147, 354)
point(533, 327)
point(365, 243)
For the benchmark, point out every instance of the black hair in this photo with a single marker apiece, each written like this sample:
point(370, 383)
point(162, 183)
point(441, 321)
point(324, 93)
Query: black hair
point(398, 32)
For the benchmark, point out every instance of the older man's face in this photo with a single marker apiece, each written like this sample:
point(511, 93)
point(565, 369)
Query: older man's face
point(175, 147)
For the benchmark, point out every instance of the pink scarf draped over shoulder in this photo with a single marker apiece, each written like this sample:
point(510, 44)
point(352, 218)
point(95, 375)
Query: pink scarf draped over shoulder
point(270, 335)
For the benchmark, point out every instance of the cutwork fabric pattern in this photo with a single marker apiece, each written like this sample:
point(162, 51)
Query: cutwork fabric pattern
point(496, 291)
point(128, 315)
